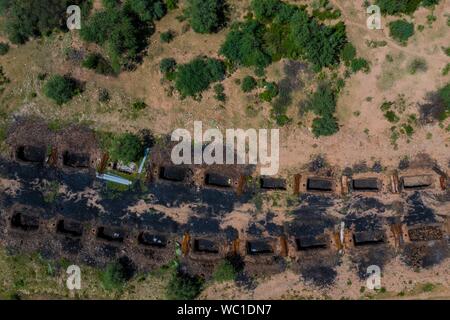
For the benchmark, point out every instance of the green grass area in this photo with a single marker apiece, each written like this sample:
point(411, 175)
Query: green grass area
point(30, 276)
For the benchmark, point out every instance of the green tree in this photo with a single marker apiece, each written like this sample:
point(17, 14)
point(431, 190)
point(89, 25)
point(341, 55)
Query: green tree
point(401, 30)
point(206, 16)
point(248, 84)
point(265, 10)
point(244, 45)
point(394, 7)
point(196, 76)
point(225, 271)
point(325, 126)
point(112, 278)
point(183, 287)
point(167, 65)
point(148, 10)
point(25, 18)
point(126, 148)
point(348, 53)
point(60, 89)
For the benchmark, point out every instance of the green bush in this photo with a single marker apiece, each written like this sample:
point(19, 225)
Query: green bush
point(61, 89)
point(183, 287)
point(112, 279)
point(270, 92)
point(359, 64)
point(206, 16)
point(391, 116)
point(167, 36)
point(123, 29)
point(325, 126)
point(126, 148)
point(219, 92)
point(401, 30)
point(244, 45)
point(196, 76)
point(96, 62)
point(394, 7)
point(139, 105)
point(265, 10)
point(348, 53)
point(25, 19)
point(172, 4)
point(248, 84)
point(167, 65)
point(444, 95)
point(4, 48)
point(225, 271)
point(323, 101)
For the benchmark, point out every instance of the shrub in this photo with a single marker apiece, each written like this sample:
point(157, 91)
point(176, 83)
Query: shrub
point(172, 4)
point(96, 62)
point(4, 48)
point(206, 16)
point(394, 7)
point(139, 105)
point(325, 126)
point(167, 36)
point(391, 116)
point(265, 9)
point(183, 287)
point(418, 64)
point(26, 19)
point(167, 65)
point(323, 101)
point(126, 148)
point(60, 89)
point(196, 76)
point(348, 53)
point(401, 30)
point(244, 45)
point(113, 279)
point(225, 271)
point(123, 29)
point(148, 10)
point(103, 95)
point(270, 92)
point(248, 84)
point(219, 92)
point(359, 64)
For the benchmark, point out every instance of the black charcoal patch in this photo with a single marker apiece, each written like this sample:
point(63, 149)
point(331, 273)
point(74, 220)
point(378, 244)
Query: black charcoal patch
point(307, 242)
point(218, 180)
point(205, 246)
point(152, 240)
point(111, 234)
point(365, 205)
point(25, 222)
point(417, 212)
point(366, 184)
point(198, 225)
point(319, 185)
point(320, 275)
point(31, 154)
point(76, 160)
point(425, 254)
point(370, 237)
point(70, 227)
point(257, 247)
point(71, 246)
point(273, 183)
point(177, 174)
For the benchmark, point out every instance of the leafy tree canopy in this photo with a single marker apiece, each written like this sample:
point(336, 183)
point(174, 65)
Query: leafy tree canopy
point(206, 16)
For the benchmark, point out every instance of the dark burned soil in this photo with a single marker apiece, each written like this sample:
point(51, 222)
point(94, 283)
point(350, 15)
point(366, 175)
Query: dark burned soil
point(64, 211)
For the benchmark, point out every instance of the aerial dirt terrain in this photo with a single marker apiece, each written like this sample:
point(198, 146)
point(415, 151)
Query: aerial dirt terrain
point(374, 193)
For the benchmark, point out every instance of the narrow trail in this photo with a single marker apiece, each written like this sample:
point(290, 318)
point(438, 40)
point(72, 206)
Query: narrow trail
point(391, 43)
